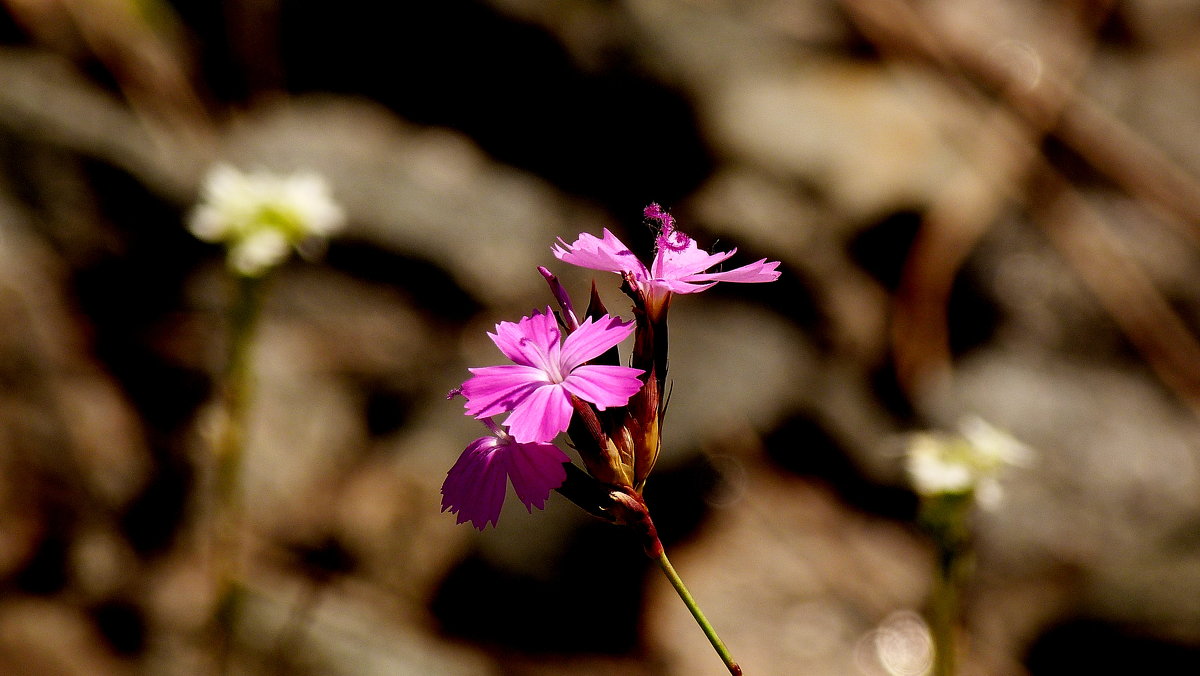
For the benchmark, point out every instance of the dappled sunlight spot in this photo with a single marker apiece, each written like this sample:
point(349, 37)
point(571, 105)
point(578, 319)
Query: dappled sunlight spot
point(732, 487)
point(900, 646)
point(1020, 61)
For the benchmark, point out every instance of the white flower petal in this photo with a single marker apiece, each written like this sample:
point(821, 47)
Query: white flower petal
point(253, 255)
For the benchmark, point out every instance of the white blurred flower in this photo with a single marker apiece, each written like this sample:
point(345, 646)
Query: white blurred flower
point(971, 461)
point(260, 216)
point(933, 467)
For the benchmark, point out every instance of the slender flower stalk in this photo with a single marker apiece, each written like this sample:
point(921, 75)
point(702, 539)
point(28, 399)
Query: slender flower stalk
point(947, 519)
point(237, 386)
point(684, 595)
point(631, 510)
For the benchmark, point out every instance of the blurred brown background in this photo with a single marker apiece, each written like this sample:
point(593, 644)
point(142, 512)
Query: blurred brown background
point(981, 207)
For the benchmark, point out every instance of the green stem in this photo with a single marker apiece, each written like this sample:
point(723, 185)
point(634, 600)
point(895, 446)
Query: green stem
point(944, 613)
point(948, 520)
point(237, 383)
point(665, 564)
point(237, 387)
point(625, 506)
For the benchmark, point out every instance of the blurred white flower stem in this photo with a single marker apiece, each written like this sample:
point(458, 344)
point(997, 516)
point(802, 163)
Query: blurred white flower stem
point(946, 517)
point(237, 389)
point(952, 473)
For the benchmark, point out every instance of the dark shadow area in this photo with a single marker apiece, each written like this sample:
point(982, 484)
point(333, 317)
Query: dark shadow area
point(10, 32)
point(151, 520)
point(615, 137)
point(881, 249)
point(128, 294)
point(972, 315)
point(1084, 646)
point(154, 516)
point(803, 446)
point(678, 497)
point(792, 296)
point(891, 396)
point(123, 626)
point(423, 282)
point(590, 604)
point(45, 572)
point(322, 558)
point(387, 408)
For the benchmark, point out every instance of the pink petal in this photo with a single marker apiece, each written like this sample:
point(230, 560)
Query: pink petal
point(497, 389)
point(535, 470)
point(609, 254)
point(528, 341)
point(592, 339)
point(677, 263)
point(679, 286)
point(604, 385)
point(759, 271)
point(474, 488)
point(541, 415)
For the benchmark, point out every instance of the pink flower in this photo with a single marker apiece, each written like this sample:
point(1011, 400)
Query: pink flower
point(679, 265)
point(474, 488)
point(536, 391)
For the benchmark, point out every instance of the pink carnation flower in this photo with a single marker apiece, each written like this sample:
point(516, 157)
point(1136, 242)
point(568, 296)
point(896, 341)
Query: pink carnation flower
point(475, 487)
point(536, 390)
point(679, 266)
